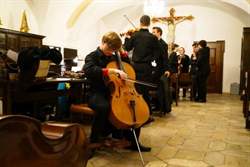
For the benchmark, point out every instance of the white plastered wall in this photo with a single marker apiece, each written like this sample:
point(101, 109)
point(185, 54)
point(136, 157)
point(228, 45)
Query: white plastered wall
point(11, 15)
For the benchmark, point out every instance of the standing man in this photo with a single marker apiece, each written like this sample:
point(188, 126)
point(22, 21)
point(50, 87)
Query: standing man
point(203, 70)
point(194, 69)
point(146, 49)
point(163, 72)
point(162, 62)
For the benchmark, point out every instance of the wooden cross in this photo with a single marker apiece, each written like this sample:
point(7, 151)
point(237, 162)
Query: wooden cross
point(171, 22)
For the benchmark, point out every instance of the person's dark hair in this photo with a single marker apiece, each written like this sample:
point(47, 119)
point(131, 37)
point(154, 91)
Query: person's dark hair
point(158, 29)
point(174, 46)
point(195, 44)
point(203, 43)
point(145, 20)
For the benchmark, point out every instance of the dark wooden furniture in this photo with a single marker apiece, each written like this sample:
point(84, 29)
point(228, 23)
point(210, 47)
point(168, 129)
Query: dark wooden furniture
point(174, 84)
point(245, 74)
point(246, 98)
point(37, 92)
point(27, 142)
point(185, 82)
point(15, 40)
point(245, 57)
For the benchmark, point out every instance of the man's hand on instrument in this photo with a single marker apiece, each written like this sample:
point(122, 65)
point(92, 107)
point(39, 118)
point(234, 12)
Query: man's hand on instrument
point(121, 73)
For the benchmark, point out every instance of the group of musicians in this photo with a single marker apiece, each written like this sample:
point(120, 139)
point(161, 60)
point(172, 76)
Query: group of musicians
point(151, 64)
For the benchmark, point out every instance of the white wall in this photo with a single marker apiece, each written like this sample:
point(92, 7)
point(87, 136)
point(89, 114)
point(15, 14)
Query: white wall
point(11, 15)
point(49, 18)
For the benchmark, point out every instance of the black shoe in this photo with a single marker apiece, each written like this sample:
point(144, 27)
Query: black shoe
point(91, 153)
point(202, 100)
point(142, 148)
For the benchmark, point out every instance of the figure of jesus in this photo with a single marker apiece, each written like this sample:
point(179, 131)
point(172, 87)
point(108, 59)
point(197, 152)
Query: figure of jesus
point(171, 22)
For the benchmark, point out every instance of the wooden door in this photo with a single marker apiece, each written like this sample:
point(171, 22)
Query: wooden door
point(215, 78)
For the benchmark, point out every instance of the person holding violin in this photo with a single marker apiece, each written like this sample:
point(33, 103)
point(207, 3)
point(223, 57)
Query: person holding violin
point(99, 93)
point(146, 50)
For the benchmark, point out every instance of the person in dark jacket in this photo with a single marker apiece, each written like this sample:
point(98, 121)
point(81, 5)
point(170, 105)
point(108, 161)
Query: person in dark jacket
point(183, 60)
point(99, 93)
point(163, 73)
point(173, 58)
point(183, 64)
point(146, 50)
point(162, 61)
point(203, 70)
point(194, 69)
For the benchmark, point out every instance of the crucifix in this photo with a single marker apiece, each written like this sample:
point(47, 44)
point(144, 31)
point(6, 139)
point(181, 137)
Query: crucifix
point(171, 22)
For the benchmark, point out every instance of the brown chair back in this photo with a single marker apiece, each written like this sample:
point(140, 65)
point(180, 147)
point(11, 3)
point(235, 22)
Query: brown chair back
point(185, 81)
point(26, 142)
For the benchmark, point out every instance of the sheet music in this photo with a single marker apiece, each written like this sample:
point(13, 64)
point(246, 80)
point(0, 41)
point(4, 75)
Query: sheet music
point(43, 68)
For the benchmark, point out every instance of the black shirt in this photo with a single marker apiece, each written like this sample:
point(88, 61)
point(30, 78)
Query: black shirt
point(94, 63)
point(185, 62)
point(163, 62)
point(203, 61)
point(145, 45)
point(194, 68)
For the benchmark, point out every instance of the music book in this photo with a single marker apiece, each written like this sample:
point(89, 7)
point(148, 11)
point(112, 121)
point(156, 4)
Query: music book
point(43, 69)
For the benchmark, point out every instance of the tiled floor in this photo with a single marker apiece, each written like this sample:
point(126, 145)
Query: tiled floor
point(192, 135)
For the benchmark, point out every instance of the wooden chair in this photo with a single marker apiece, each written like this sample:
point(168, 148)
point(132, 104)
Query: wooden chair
point(174, 83)
point(81, 109)
point(185, 82)
point(27, 142)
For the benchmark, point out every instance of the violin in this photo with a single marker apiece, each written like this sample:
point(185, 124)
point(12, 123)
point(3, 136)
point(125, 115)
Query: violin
point(129, 32)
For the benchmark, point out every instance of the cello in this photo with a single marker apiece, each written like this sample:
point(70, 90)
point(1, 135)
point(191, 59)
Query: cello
point(128, 108)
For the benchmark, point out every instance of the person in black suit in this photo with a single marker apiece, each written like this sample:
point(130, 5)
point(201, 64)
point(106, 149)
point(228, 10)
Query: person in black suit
point(162, 61)
point(163, 73)
point(146, 50)
point(194, 69)
point(173, 58)
point(99, 93)
point(203, 70)
point(183, 64)
point(183, 60)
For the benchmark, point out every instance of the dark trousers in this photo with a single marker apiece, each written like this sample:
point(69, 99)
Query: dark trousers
point(165, 95)
point(184, 92)
point(101, 126)
point(195, 86)
point(202, 87)
point(143, 73)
